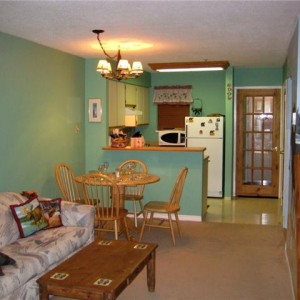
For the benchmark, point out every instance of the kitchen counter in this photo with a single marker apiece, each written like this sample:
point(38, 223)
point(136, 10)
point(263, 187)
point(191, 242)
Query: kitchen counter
point(166, 162)
point(158, 148)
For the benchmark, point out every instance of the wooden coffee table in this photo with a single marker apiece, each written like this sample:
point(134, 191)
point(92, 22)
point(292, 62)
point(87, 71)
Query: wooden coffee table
point(101, 270)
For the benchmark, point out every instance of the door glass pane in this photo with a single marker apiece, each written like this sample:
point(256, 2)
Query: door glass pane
point(268, 141)
point(257, 141)
point(258, 123)
point(248, 104)
point(268, 104)
point(248, 141)
point(247, 176)
point(258, 104)
point(257, 160)
point(268, 123)
point(268, 159)
point(248, 124)
point(247, 158)
point(267, 177)
point(257, 177)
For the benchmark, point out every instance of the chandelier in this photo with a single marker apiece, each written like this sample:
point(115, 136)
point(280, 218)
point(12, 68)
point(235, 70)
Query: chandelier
point(123, 69)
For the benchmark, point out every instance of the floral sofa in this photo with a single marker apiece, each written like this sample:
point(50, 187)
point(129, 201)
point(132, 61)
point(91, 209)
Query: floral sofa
point(41, 251)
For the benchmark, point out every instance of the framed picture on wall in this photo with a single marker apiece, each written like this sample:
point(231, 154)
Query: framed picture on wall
point(95, 110)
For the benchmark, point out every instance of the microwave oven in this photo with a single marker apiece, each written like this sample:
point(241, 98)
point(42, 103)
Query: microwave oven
point(171, 137)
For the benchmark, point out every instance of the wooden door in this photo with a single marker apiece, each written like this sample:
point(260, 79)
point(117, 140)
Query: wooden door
point(257, 142)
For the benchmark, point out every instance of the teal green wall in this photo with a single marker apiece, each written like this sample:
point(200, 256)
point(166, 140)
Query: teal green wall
point(44, 98)
point(41, 100)
point(207, 86)
point(258, 77)
point(96, 133)
point(210, 87)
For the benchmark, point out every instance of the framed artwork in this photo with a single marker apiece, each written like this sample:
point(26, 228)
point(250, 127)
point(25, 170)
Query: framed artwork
point(95, 110)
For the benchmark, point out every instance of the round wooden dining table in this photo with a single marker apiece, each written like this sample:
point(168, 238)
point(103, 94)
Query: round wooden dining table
point(125, 179)
point(122, 181)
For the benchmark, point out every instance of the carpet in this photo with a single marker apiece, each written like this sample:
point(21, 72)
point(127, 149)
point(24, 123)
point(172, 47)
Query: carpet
point(216, 261)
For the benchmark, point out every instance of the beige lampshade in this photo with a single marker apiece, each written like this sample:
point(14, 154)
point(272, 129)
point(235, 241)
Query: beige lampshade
point(123, 64)
point(102, 66)
point(137, 67)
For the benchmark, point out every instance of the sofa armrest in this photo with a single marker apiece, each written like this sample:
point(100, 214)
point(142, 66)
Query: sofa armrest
point(73, 214)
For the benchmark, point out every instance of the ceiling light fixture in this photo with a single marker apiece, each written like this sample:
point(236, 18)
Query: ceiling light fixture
point(123, 69)
point(190, 66)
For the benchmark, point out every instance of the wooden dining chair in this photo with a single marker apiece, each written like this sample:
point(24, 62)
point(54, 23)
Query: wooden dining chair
point(66, 181)
point(134, 193)
point(165, 208)
point(103, 193)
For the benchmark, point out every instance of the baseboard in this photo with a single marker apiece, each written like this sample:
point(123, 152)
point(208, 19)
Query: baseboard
point(190, 218)
point(290, 273)
point(182, 217)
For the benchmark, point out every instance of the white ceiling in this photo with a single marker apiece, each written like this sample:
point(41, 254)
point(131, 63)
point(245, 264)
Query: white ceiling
point(246, 33)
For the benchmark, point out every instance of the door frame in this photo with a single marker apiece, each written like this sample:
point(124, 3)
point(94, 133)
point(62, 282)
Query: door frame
point(234, 130)
point(286, 152)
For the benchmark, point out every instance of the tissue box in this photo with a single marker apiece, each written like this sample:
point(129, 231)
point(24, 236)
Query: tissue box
point(137, 142)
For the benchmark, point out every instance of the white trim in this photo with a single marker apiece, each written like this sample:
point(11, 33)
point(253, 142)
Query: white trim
point(181, 217)
point(290, 272)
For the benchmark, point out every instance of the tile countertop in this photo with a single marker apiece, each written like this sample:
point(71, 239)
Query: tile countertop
point(157, 148)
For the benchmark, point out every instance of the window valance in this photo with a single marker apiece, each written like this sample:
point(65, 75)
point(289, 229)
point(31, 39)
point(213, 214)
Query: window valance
point(177, 94)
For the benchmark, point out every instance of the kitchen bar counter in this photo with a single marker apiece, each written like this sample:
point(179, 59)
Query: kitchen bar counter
point(166, 162)
point(157, 148)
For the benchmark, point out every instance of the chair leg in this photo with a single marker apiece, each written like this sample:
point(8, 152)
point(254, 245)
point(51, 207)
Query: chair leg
point(135, 213)
point(151, 220)
point(116, 229)
point(171, 228)
point(178, 224)
point(126, 229)
point(143, 224)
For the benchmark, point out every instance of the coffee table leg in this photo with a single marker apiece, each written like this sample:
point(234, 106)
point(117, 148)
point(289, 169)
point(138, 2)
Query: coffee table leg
point(151, 273)
point(44, 295)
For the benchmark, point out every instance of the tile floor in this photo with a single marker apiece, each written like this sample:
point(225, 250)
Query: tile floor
point(264, 211)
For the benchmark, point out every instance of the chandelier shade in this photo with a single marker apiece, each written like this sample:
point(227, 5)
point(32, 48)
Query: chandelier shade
point(123, 69)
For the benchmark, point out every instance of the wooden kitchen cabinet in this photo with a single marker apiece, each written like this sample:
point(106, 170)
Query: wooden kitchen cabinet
point(121, 95)
point(116, 104)
point(130, 95)
point(143, 105)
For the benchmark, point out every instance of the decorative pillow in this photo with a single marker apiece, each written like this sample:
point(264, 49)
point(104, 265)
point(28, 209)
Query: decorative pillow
point(29, 217)
point(52, 212)
point(29, 194)
point(5, 260)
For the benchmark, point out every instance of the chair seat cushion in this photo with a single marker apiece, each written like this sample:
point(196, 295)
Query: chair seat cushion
point(160, 206)
point(133, 197)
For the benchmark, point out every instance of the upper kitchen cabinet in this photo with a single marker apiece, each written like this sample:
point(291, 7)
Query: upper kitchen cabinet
point(130, 95)
point(143, 105)
point(137, 97)
point(116, 104)
point(121, 95)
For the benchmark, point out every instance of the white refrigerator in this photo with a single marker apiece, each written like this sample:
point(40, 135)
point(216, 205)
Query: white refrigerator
point(208, 132)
